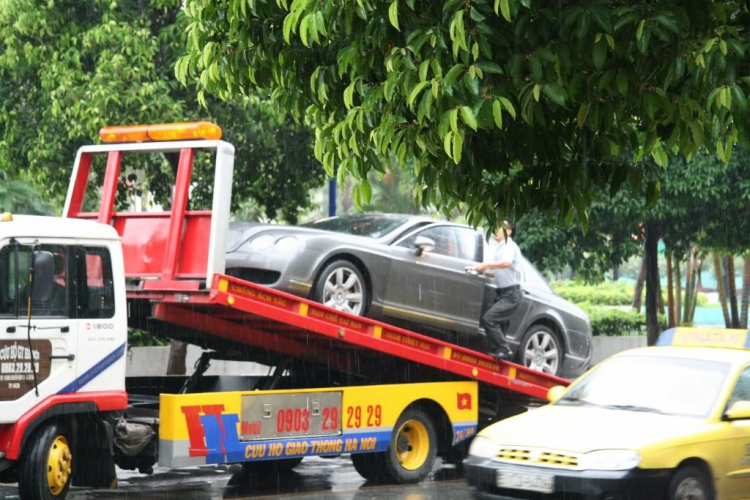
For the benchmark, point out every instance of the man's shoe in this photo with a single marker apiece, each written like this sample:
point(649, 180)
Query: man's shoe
point(502, 356)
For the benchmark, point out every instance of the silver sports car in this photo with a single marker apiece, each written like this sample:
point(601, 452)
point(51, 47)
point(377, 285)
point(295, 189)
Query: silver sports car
point(410, 271)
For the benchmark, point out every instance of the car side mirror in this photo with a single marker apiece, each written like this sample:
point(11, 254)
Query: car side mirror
point(423, 244)
point(555, 393)
point(44, 276)
point(738, 411)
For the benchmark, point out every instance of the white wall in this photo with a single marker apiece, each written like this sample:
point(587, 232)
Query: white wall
point(152, 362)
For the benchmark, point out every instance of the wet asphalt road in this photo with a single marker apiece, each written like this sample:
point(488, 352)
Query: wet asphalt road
point(314, 479)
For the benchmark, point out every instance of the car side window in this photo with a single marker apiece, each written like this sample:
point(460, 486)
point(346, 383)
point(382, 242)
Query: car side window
point(533, 278)
point(742, 389)
point(449, 241)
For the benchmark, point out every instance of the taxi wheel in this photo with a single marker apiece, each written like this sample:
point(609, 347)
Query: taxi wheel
point(46, 467)
point(690, 483)
point(413, 449)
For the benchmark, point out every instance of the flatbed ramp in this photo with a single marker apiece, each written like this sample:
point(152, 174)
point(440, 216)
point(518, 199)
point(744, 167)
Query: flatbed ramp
point(174, 261)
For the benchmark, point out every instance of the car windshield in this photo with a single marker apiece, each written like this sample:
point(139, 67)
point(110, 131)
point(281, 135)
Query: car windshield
point(373, 226)
point(673, 386)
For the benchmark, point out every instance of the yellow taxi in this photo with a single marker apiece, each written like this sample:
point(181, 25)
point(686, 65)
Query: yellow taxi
point(665, 422)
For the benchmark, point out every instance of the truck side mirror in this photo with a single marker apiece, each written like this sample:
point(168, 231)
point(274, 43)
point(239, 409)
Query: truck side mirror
point(423, 244)
point(44, 276)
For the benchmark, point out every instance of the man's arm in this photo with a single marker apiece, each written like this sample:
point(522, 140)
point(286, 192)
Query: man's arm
point(492, 265)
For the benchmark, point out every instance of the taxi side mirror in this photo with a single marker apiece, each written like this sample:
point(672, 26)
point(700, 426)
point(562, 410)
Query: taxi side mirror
point(555, 393)
point(738, 411)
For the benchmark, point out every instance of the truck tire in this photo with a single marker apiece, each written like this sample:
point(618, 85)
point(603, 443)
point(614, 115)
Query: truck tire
point(371, 466)
point(341, 285)
point(46, 466)
point(413, 449)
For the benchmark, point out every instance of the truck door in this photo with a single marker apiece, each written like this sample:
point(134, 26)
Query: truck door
point(50, 346)
point(100, 317)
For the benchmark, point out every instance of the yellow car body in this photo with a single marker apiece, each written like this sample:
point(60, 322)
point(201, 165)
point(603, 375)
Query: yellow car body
point(688, 437)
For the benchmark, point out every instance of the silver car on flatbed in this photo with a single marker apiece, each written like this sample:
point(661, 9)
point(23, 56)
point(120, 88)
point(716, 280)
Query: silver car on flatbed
point(410, 271)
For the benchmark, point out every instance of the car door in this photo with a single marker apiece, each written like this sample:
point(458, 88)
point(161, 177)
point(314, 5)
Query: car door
point(737, 482)
point(51, 345)
point(434, 288)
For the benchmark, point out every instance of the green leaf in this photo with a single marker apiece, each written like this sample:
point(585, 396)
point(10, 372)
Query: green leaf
point(289, 22)
point(303, 27)
point(423, 68)
point(504, 8)
point(723, 47)
point(453, 116)
point(651, 104)
point(537, 90)
point(415, 92)
point(583, 112)
point(669, 23)
point(583, 217)
point(489, 67)
point(599, 54)
point(471, 84)
point(720, 151)
point(448, 144)
point(393, 14)
point(458, 146)
point(603, 20)
point(652, 191)
point(555, 93)
point(349, 95)
point(425, 106)
point(639, 31)
point(452, 75)
point(508, 106)
point(468, 116)
point(739, 98)
point(365, 191)
point(535, 64)
point(622, 82)
point(497, 113)
point(736, 46)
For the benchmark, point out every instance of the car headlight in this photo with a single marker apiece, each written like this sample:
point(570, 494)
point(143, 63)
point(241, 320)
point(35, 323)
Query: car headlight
point(287, 243)
point(483, 447)
point(609, 460)
point(258, 243)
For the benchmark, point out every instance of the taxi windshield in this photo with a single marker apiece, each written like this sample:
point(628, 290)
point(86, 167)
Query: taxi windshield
point(672, 386)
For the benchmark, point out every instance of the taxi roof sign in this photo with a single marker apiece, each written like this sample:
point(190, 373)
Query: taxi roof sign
point(705, 337)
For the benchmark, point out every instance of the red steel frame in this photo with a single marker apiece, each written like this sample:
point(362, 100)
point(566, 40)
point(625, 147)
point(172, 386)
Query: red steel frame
point(252, 314)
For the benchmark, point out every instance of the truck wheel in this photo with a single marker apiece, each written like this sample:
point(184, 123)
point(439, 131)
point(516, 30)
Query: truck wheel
point(690, 483)
point(47, 464)
point(413, 449)
point(342, 286)
point(370, 466)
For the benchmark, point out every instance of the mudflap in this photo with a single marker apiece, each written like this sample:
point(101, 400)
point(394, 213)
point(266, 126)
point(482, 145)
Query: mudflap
point(95, 464)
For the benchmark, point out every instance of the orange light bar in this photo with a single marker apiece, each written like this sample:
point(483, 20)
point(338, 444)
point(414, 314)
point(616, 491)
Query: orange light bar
point(161, 132)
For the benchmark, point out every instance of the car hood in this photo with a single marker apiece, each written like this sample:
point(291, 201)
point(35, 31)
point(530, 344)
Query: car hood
point(240, 232)
point(581, 429)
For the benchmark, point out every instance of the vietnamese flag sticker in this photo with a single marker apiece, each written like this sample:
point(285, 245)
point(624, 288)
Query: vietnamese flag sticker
point(463, 401)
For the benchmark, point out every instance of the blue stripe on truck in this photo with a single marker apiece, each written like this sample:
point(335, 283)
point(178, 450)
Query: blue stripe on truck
point(94, 371)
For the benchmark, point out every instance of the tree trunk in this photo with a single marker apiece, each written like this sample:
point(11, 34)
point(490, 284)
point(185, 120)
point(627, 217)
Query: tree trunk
point(688, 282)
point(177, 355)
point(720, 288)
point(638, 293)
point(697, 265)
point(732, 291)
point(670, 292)
point(678, 295)
point(615, 274)
point(745, 292)
point(659, 297)
point(652, 282)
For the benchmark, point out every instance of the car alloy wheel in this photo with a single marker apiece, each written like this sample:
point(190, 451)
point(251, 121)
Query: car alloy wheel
point(343, 290)
point(542, 352)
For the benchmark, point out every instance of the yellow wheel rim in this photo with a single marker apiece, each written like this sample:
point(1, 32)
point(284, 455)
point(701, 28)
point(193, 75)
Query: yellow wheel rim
point(59, 465)
point(412, 445)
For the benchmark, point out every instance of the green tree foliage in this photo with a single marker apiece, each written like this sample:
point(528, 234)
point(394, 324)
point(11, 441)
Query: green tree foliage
point(19, 197)
point(69, 67)
point(505, 106)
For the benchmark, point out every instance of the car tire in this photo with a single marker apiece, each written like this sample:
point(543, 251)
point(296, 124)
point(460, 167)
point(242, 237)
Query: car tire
point(46, 467)
point(690, 482)
point(537, 347)
point(342, 285)
point(413, 448)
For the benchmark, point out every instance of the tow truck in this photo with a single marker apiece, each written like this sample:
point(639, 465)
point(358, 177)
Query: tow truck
point(71, 287)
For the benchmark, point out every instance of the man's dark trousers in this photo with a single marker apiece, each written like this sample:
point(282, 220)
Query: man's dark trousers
point(507, 301)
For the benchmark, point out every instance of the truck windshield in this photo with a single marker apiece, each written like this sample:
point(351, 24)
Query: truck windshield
point(373, 226)
point(673, 386)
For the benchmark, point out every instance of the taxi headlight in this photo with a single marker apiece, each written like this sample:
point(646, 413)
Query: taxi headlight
point(609, 460)
point(258, 243)
point(287, 243)
point(483, 447)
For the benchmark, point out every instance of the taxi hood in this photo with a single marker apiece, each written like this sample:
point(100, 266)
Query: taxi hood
point(581, 429)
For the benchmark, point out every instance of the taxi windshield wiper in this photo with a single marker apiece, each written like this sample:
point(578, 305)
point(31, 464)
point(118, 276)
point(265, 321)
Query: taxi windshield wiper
point(647, 409)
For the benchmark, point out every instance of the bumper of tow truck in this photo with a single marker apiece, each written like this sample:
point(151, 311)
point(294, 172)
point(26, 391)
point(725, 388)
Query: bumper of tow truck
point(635, 484)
